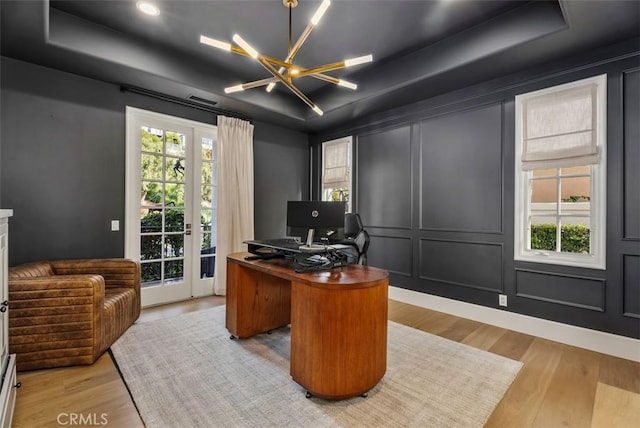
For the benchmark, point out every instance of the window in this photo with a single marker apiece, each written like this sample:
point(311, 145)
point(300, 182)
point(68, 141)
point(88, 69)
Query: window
point(560, 174)
point(336, 171)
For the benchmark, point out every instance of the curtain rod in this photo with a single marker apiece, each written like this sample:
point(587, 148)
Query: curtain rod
point(181, 101)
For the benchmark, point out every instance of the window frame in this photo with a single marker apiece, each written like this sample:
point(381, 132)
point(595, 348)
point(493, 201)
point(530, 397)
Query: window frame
point(596, 259)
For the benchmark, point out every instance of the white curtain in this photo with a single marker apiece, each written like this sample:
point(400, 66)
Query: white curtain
point(235, 193)
point(560, 129)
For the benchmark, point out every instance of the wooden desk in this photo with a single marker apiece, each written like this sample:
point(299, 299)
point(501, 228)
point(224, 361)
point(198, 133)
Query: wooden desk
point(338, 320)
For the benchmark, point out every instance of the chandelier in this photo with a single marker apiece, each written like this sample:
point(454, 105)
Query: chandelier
point(288, 71)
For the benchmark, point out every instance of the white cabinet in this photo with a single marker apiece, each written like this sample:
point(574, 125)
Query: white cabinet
point(7, 390)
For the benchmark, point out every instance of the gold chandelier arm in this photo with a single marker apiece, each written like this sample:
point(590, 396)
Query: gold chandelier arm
point(289, 85)
point(296, 47)
point(321, 69)
point(334, 80)
point(293, 50)
point(240, 51)
point(315, 19)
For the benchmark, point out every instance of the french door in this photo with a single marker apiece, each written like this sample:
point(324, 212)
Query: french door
point(171, 188)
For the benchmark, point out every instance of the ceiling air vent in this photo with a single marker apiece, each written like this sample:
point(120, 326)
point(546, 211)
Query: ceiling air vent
point(202, 100)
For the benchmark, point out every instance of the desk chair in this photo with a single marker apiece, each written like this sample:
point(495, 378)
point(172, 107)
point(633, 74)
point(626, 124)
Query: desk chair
point(356, 236)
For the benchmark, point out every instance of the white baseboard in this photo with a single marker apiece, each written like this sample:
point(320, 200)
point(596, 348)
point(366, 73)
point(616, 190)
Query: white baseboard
point(606, 343)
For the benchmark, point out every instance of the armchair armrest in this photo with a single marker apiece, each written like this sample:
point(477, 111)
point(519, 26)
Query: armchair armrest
point(46, 312)
point(117, 273)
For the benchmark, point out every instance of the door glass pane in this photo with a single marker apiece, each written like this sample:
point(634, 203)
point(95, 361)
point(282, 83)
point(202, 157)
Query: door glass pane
point(208, 193)
point(152, 140)
point(151, 273)
point(174, 195)
point(207, 267)
point(150, 221)
point(174, 220)
point(206, 197)
point(174, 245)
point(175, 170)
point(150, 247)
point(209, 173)
point(151, 194)
point(174, 270)
point(176, 144)
point(151, 167)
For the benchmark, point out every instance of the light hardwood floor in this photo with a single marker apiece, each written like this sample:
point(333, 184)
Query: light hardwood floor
point(558, 386)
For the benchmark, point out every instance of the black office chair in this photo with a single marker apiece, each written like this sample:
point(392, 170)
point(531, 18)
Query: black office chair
point(356, 236)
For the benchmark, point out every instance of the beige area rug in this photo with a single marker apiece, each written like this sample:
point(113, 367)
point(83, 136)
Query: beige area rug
point(186, 372)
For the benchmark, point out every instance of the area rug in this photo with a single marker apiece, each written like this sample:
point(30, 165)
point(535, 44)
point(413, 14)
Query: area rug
point(185, 372)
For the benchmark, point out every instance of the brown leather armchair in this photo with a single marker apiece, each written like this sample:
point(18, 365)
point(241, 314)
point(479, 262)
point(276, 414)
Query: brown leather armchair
point(68, 312)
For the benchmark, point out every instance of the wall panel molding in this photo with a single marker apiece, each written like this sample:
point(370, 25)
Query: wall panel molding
point(393, 253)
point(631, 154)
point(631, 285)
point(461, 171)
point(568, 290)
point(384, 178)
point(470, 264)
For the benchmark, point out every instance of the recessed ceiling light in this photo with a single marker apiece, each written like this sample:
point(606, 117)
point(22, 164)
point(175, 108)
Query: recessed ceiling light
point(148, 8)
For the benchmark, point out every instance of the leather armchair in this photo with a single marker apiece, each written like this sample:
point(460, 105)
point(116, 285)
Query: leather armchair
point(68, 312)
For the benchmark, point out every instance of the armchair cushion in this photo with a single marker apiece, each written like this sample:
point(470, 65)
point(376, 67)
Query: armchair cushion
point(69, 312)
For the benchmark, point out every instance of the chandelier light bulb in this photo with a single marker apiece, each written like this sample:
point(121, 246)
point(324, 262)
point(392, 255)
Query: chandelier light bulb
point(215, 43)
point(347, 84)
point(359, 60)
point(321, 10)
point(236, 88)
point(148, 8)
point(270, 87)
point(317, 110)
point(246, 46)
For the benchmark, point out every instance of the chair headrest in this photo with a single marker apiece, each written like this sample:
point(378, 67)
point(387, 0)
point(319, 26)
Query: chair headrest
point(352, 225)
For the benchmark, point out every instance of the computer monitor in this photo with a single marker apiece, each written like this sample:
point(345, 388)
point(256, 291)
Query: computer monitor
point(325, 218)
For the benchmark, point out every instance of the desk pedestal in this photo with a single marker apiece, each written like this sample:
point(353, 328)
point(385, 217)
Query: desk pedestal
point(338, 320)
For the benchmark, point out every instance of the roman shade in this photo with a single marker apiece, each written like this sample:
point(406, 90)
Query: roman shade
point(336, 163)
point(559, 129)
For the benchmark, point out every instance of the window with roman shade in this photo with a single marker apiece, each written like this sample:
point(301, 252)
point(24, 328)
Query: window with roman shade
point(336, 170)
point(560, 174)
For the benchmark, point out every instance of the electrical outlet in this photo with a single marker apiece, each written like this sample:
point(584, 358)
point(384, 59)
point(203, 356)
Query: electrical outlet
point(502, 299)
point(115, 225)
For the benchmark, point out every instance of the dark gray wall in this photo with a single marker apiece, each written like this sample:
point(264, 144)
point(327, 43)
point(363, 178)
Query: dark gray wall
point(434, 185)
point(63, 163)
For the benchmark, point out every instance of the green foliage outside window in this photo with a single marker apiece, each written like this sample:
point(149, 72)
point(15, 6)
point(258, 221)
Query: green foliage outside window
point(575, 238)
point(340, 194)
